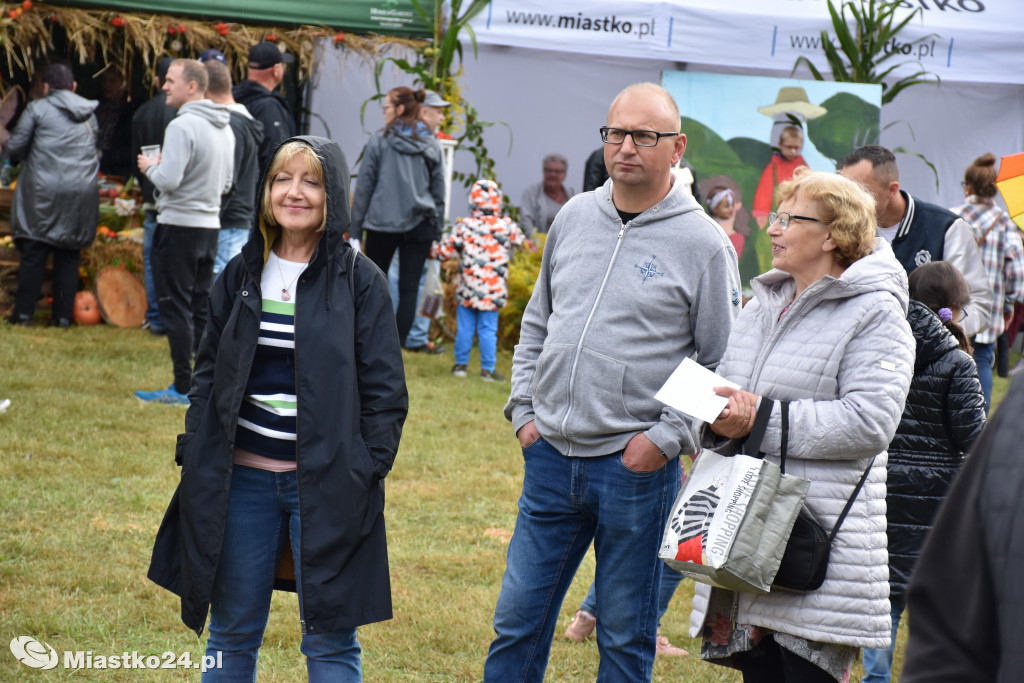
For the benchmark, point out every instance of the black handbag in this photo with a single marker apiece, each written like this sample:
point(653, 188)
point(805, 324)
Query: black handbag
point(805, 560)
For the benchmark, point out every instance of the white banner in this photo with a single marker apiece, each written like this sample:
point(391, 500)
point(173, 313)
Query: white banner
point(961, 40)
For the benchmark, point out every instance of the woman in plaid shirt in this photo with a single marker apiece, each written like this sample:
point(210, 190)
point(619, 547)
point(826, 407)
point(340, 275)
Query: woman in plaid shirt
point(1002, 254)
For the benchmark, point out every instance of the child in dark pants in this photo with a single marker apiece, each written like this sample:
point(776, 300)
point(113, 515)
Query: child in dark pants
point(483, 244)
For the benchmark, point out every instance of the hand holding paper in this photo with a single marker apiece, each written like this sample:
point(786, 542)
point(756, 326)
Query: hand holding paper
point(690, 389)
point(736, 421)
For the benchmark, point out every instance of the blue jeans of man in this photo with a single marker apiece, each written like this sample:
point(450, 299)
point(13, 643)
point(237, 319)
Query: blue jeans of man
point(670, 579)
point(263, 509)
point(419, 333)
point(152, 308)
point(983, 355)
point(229, 243)
point(566, 503)
point(484, 324)
point(878, 663)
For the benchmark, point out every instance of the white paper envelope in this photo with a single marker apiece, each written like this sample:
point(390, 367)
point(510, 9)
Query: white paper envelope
point(690, 389)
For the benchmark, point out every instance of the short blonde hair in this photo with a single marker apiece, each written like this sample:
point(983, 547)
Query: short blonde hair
point(847, 210)
point(268, 226)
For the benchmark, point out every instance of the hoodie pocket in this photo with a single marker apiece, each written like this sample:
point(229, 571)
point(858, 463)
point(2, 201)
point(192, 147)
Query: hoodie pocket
point(592, 403)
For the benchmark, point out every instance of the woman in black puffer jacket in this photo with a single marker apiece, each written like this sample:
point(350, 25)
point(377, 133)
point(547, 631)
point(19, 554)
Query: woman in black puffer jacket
point(944, 413)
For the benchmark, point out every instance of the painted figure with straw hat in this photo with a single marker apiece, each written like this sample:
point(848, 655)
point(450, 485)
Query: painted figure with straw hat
point(790, 112)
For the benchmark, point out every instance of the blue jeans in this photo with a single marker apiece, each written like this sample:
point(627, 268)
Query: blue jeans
point(419, 333)
point(229, 243)
point(566, 503)
point(878, 663)
point(983, 355)
point(152, 309)
point(485, 325)
point(263, 507)
point(670, 579)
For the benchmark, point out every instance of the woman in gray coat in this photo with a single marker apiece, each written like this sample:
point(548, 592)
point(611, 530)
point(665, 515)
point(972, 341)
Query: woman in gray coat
point(399, 197)
point(826, 331)
point(56, 201)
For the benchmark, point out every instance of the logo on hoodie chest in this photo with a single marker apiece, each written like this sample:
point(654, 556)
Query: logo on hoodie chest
point(648, 270)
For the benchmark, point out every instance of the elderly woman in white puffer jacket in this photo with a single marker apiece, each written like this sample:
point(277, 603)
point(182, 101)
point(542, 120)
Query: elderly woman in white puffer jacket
point(827, 331)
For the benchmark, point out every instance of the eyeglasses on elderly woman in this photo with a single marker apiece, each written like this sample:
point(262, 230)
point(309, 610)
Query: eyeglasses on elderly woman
point(785, 217)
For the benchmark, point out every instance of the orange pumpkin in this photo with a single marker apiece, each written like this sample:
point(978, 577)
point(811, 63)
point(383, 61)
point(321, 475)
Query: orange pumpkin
point(86, 310)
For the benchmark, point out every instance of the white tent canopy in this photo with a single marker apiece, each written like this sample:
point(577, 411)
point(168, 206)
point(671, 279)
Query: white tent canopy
point(555, 99)
point(961, 40)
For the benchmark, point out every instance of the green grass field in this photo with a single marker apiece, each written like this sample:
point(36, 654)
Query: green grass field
point(87, 470)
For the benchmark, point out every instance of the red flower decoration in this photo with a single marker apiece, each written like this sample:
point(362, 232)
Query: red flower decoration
point(271, 37)
point(222, 28)
point(27, 4)
point(339, 37)
point(172, 30)
point(441, 135)
point(182, 28)
point(12, 14)
point(117, 22)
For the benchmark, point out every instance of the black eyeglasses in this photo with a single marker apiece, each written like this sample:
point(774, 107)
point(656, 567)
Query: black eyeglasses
point(641, 138)
point(785, 217)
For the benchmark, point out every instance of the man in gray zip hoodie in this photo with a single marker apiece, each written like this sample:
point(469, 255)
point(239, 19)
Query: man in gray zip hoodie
point(635, 277)
point(193, 172)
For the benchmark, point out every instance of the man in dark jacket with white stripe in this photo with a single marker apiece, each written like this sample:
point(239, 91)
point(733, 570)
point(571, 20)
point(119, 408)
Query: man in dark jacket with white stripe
point(920, 232)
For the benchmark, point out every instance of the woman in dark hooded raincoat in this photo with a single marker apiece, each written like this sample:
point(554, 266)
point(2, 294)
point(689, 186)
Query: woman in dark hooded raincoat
point(297, 406)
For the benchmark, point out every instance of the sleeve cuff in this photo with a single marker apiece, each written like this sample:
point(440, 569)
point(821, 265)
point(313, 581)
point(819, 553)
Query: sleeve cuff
point(667, 442)
point(520, 414)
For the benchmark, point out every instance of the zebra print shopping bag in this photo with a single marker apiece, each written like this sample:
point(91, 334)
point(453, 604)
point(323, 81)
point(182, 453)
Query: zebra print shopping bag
point(730, 523)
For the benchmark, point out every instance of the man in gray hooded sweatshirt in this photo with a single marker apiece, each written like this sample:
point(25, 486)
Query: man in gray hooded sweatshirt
point(635, 278)
point(193, 172)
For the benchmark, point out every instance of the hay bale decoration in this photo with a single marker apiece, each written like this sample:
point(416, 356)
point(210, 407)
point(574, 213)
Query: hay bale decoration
point(26, 33)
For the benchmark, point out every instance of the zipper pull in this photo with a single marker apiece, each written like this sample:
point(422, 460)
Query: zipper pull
point(622, 230)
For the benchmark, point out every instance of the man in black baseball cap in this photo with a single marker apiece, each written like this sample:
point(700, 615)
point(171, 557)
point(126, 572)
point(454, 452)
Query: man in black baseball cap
point(259, 95)
point(264, 55)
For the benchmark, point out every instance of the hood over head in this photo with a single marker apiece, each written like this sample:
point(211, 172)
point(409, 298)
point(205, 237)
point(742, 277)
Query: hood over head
point(217, 114)
point(76, 107)
point(485, 198)
point(336, 183)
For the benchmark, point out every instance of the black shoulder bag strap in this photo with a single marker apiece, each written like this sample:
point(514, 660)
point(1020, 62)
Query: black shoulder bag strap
point(752, 444)
point(782, 466)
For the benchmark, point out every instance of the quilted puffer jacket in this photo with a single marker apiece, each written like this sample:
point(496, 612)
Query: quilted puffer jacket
point(945, 413)
point(843, 355)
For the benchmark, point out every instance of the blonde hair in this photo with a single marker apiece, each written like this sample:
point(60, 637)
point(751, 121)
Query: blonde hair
point(847, 210)
point(268, 226)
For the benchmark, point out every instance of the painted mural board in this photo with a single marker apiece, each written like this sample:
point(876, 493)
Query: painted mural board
point(733, 125)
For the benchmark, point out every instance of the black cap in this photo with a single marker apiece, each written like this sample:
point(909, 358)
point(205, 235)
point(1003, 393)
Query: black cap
point(264, 55)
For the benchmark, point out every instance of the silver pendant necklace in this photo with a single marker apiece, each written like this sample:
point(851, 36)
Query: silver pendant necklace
point(285, 295)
